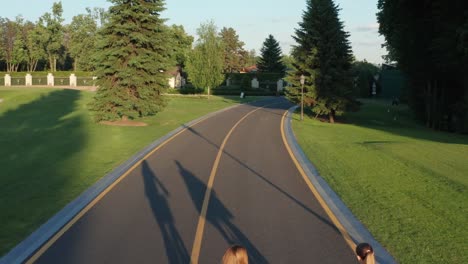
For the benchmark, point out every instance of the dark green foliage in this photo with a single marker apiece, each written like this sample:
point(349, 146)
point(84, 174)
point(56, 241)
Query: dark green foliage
point(323, 56)
point(363, 74)
point(271, 58)
point(235, 56)
point(428, 39)
point(181, 44)
point(132, 56)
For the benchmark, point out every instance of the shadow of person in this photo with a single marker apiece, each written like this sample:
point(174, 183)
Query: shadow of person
point(157, 195)
point(218, 215)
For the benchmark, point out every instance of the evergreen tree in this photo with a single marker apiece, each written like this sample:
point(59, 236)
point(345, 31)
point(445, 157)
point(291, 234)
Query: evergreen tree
point(132, 55)
point(271, 58)
point(429, 41)
point(234, 53)
point(323, 55)
point(205, 63)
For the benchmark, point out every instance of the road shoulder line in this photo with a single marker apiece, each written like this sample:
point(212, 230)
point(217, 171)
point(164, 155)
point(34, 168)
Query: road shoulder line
point(350, 223)
point(36, 240)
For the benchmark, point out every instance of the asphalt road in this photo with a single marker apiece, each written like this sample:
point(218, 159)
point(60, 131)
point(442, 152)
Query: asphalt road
point(257, 199)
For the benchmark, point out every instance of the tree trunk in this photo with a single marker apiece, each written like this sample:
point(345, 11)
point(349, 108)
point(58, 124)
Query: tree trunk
point(428, 104)
point(208, 92)
point(331, 116)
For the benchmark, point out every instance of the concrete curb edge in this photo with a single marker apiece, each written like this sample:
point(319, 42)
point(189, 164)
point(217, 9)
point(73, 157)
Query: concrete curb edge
point(353, 226)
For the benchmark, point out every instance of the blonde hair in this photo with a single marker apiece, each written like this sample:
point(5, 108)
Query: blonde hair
point(236, 255)
point(365, 253)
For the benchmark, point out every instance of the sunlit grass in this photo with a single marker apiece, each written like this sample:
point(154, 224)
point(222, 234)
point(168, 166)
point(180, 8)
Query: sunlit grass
point(406, 183)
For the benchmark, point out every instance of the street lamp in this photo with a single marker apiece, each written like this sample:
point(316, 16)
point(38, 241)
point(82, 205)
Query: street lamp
point(302, 96)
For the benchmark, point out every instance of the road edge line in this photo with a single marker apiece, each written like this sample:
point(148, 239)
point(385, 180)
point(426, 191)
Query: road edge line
point(352, 226)
point(28, 247)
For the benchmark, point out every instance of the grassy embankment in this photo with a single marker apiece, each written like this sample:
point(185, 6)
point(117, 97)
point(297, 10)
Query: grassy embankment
point(406, 183)
point(51, 150)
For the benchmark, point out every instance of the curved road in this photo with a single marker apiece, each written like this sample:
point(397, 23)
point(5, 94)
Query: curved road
point(226, 180)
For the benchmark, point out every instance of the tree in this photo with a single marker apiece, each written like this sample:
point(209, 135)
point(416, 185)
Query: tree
point(271, 58)
point(234, 53)
point(250, 58)
point(132, 55)
point(205, 64)
point(323, 56)
point(53, 30)
point(82, 31)
point(181, 44)
point(35, 40)
point(426, 39)
point(12, 43)
point(363, 73)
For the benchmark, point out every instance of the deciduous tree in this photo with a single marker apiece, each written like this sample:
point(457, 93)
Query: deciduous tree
point(205, 63)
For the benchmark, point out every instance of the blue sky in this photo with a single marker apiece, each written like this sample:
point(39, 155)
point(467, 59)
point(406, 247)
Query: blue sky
point(253, 20)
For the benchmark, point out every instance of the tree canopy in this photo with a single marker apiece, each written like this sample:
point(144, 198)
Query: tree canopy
point(205, 63)
point(235, 57)
point(131, 61)
point(323, 55)
point(271, 57)
point(428, 40)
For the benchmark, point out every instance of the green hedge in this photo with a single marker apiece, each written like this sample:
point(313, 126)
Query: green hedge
point(222, 90)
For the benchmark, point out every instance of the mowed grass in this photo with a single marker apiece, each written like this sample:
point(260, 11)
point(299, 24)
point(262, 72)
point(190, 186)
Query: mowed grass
point(51, 150)
point(406, 183)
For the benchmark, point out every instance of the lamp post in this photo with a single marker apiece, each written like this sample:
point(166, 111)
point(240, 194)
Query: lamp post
point(302, 96)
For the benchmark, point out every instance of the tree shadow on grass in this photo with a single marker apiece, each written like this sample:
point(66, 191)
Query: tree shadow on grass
point(37, 140)
point(157, 196)
point(398, 120)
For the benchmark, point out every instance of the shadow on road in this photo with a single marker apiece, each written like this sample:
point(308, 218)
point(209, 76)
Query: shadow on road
point(263, 178)
point(157, 196)
point(218, 215)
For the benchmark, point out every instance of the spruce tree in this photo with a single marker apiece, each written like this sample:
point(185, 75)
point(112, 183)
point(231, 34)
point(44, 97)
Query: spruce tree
point(323, 55)
point(132, 56)
point(271, 57)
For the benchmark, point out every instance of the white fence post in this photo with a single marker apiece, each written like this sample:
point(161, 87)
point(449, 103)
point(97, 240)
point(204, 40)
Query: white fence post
point(279, 85)
point(28, 81)
point(7, 80)
point(255, 83)
point(73, 80)
point(50, 79)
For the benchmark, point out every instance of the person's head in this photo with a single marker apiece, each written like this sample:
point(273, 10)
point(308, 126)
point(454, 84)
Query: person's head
point(365, 253)
point(236, 255)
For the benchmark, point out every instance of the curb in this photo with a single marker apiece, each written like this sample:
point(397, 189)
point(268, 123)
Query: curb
point(353, 226)
point(26, 248)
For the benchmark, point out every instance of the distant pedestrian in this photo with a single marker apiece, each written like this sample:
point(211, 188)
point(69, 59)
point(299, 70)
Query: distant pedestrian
point(236, 255)
point(365, 253)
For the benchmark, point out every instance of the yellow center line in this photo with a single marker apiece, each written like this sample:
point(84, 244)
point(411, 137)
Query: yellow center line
point(202, 218)
point(314, 191)
point(77, 217)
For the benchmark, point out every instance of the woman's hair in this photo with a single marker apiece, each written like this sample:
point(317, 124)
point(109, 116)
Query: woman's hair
point(236, 255)
point(365, 253)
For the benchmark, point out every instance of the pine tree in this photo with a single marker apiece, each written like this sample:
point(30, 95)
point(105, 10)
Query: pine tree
point(130, 62)
point(271, 58)
point(234, 53)
point(323, 56)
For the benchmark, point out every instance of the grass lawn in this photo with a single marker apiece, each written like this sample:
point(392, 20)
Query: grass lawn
point(406, 183)
point(51, 150)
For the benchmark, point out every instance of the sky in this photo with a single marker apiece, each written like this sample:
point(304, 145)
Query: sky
point(253, 20)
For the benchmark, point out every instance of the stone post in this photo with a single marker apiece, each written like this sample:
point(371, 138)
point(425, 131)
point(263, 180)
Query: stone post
point(7, 80)
point(73, 80)
point(255, 83)
point(28, 81)
point(279, 85)
point(50, 79)
point(228, 82)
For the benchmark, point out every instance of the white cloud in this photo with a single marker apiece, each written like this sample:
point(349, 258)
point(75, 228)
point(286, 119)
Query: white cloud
point(366, 28)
